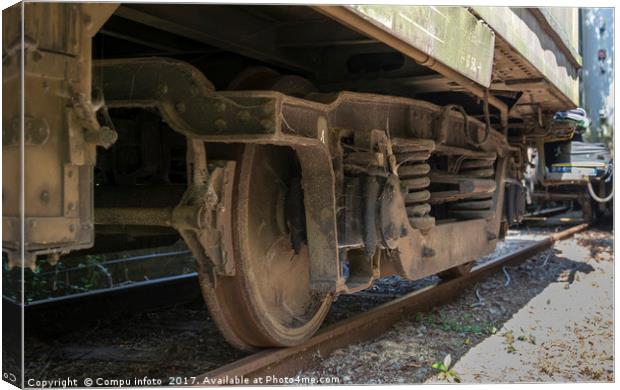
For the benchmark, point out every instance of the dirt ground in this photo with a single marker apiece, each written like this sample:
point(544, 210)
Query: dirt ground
point(549, 320)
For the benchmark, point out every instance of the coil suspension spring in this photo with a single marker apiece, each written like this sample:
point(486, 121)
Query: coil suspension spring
point(477, 206)
point(413, 170)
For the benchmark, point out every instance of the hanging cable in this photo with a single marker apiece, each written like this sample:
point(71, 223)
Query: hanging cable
point(442, 129)
point(487, 120)
point(596, 197)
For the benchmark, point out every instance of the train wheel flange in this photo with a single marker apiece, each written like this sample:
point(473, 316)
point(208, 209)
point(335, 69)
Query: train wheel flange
point(268, 301)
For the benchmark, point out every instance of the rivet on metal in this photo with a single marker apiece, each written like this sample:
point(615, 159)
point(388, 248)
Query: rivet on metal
point(244, 116)
point(220, 124)
point(45, 196)
point(162, 89)
point(428, 251)
point(267, 124)
point(220, 106)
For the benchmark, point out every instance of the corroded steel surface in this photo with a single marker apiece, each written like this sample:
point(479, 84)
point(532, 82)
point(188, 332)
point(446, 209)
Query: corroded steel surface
point(192, 108)
point(58, 155)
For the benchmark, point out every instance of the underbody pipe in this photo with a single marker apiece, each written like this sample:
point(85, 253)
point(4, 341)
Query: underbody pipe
point(598, 198)
point(466, 187)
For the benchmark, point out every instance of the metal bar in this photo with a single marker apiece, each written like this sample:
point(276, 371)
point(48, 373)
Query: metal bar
point(548, 221)
point(368, 325)
point(547, 212)
point(139, 196)
point(81, 310)
point(252, 37)
point(134, 216)
point(191, 277)
point(122, 260)
point(558, 196)
point(467, 188)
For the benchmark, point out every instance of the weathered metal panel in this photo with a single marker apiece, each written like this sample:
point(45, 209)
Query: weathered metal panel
point(565, 21)
point(57, 114)
point(450, 35)
point(523, 32)
point(12, 121)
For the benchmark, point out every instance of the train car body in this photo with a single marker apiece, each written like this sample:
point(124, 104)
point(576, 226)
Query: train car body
point(574, 173)
point(301, 152)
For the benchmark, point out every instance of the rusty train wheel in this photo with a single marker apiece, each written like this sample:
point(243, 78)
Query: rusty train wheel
point(269, 301)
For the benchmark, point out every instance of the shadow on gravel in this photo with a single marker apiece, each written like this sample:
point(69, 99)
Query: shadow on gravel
point(461, 325)
point(405, 354)
point(175, 341)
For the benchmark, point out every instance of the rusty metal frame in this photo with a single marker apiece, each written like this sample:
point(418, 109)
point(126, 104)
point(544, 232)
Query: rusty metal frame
point(189, 105)
point(203, 115)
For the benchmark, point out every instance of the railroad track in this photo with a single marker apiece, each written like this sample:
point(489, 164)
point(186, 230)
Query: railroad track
point(80, 310)
point(549, 212)
point(287, 362)
point(76, 310)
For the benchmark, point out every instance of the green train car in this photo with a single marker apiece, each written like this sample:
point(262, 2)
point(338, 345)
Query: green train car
point(301, 152)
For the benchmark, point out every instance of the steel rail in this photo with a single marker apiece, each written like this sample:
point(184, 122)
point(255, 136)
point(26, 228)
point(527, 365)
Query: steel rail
point(287, 362)
point(122, 260)
point(66, 313)
point(547, 212)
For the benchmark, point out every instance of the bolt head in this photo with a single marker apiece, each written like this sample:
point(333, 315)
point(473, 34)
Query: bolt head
point(220, 124)
point(45, 196)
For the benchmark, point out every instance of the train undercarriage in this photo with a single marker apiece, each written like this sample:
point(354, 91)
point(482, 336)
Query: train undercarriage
point(333, 189)
point(293, 178)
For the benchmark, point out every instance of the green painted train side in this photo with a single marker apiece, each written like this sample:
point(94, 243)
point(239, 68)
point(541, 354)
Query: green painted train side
point(464, 39)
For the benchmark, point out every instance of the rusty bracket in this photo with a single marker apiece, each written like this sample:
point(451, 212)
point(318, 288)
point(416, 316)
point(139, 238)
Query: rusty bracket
point(184, 97)
point(189, 104)
point(203, 217)
point(86, 115)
